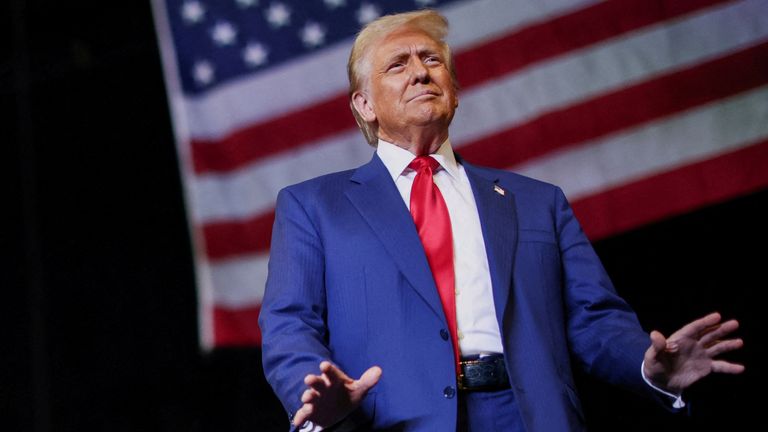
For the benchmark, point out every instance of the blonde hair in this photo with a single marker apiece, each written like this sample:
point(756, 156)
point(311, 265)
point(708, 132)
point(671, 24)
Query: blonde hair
point(358, 68)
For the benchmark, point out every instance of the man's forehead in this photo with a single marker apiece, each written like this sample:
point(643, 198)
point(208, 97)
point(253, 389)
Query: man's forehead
point(404, 40)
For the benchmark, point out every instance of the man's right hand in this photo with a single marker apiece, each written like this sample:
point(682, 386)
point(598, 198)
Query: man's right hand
point(333, 395)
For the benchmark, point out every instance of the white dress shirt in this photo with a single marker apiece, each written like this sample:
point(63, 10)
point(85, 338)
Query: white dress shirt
point(478, 329)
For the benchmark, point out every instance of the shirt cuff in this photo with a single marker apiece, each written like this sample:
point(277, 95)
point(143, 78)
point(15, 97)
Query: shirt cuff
point(309, 426)
point(677, 399)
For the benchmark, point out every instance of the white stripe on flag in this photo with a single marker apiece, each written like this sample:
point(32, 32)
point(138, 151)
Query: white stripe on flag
point(253, 189)
point(239, 281)
point(475, 22)
point(704, 133)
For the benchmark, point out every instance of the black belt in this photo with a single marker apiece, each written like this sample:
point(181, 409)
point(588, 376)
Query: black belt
point(483, 372)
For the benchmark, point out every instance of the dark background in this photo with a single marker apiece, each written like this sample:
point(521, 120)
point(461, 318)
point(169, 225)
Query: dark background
point(98, 301)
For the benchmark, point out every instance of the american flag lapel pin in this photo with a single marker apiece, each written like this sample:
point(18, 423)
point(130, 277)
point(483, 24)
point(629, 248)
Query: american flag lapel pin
point(498, 189)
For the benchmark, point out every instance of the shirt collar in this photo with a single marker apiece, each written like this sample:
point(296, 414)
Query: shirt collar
point(397, 159)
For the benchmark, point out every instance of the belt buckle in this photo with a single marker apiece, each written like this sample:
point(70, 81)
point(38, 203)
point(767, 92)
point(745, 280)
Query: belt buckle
point(488, 364)
point(460, 379)
point(460, 382)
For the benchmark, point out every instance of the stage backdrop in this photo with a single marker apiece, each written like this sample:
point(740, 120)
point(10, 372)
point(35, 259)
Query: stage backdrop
point(638, 109)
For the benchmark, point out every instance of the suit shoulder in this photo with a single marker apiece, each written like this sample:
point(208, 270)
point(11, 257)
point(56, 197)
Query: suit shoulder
point(518, 182)
point(321, 184)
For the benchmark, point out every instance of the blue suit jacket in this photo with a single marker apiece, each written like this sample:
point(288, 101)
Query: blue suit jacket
point(349, 281)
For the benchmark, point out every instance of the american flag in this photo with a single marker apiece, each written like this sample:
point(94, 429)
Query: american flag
point(638, 109)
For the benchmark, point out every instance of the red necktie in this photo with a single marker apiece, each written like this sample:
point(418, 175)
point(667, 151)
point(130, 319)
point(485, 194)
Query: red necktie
point(434, 226)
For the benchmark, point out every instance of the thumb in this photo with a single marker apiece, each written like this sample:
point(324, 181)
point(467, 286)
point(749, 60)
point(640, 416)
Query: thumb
point(369, 378)
point(658, 340)
point(658, 344)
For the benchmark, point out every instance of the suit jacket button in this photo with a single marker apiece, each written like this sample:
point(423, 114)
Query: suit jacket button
point(444, 334)
point(449, 392)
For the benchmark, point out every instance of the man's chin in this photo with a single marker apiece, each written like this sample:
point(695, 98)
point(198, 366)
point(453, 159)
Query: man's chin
point(431, 117)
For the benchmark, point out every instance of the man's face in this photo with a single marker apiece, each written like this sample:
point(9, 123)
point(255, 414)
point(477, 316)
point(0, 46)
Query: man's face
point(410, 84)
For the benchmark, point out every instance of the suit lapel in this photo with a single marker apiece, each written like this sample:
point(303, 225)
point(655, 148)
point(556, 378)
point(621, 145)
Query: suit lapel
point(376, 198)
point(498, 219)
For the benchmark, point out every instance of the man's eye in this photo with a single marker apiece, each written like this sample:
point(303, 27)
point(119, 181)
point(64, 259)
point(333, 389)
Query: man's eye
point(432, 60)
point(395, 66)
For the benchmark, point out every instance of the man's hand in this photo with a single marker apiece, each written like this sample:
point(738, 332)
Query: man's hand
point(332, 395)
point(688, 355)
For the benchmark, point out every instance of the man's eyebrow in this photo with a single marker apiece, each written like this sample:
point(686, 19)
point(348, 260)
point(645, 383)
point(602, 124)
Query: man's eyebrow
point(399, 54)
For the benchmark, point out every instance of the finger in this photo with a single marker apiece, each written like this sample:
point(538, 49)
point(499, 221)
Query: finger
point(369, 378)
point(721, 366)
point(697, 327)
point(327, 381)
point(719, 332)
point(310, 378)
point(724, 346)
point(319, 385)
point(302, 415)
point(333, 373)
point(314, 380)
point(658, 344)
point(309, 395)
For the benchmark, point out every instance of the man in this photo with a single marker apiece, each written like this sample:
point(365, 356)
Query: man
point(458, 300)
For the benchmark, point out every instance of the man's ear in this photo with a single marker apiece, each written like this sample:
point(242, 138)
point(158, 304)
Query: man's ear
point(363, 106)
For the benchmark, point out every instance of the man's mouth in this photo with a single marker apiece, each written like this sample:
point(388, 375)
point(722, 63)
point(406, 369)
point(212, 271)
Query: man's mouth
point(425, 95)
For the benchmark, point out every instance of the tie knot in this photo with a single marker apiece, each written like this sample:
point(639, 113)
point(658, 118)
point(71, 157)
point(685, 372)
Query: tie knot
point(423, 162)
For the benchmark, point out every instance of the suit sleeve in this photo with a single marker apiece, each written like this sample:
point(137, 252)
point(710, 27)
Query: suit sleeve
point(605, 336)
point(293, 311)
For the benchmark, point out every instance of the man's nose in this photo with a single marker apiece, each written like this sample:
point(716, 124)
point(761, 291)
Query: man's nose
point(419, 73)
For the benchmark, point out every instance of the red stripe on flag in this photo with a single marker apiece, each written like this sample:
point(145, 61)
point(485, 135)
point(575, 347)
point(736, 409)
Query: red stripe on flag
point(567, 33)
point(226, 239)
point(236, 327)
point(628, 107)
point(674, 192)
point(482, 63)
point(274, 136)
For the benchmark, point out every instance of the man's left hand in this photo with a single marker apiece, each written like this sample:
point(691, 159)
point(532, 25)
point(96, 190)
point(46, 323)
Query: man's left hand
point(688, 355)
